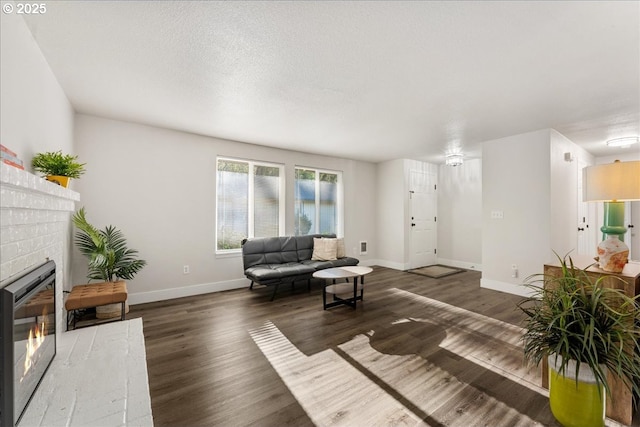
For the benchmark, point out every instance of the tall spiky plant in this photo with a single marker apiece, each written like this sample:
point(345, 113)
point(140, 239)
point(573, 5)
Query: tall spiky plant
point(109, 258)
point(577, 317)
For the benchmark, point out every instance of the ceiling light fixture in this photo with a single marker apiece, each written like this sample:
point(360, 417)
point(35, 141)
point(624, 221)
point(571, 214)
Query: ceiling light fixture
point(453, 159)
point(622, 142)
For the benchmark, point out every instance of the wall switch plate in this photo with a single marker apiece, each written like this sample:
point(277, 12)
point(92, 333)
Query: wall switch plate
point(497, 214)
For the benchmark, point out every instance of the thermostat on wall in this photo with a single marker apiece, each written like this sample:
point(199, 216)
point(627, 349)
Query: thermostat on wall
point(363, 247)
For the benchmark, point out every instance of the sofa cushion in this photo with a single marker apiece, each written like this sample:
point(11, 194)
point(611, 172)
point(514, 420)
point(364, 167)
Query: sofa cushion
point(342, 262)
point(305, 245)
point(294, 269)
point(318, 265)
point(324, 249)
point(269, 250)
point(341, 251)
point(265, 273)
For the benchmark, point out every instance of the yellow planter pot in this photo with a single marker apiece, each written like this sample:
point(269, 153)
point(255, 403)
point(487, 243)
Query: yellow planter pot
point(575, 404)
point(60, 180)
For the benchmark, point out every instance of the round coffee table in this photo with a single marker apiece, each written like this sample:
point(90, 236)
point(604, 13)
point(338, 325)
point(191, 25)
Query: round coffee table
point(348, 272)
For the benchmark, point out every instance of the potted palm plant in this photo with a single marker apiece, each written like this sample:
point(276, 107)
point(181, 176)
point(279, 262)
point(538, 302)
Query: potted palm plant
point(57, 167)
point(110, 260)
point(583, 329)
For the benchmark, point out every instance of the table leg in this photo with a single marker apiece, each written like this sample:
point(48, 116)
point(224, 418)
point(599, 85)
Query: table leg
point(324, 296)
point(355, 291)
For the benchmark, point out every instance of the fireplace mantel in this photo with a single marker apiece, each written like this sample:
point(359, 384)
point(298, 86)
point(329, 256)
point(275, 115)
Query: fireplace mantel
point(35, 225)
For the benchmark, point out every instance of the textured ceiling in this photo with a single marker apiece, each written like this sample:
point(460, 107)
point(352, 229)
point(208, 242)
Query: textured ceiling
point(363, 80)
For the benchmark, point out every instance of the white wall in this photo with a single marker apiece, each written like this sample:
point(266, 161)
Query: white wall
point(390, 221)
point(516, 179)
point(564, 233)
point(564, 193)
point(632, 155)
point(35, 114)
point(158, 187)
point(527, 177)
point(460, 215)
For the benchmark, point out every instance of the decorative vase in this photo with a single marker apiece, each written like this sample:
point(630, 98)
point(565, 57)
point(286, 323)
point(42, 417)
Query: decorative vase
point(613, 254)
point(60, 180)
point(580, 403)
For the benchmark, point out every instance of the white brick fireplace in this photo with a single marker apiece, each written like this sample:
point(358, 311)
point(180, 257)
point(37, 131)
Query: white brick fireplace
point(35, 225)
point(99, 376)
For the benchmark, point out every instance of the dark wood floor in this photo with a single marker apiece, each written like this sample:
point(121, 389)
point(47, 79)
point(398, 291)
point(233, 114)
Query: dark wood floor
point(206, 369)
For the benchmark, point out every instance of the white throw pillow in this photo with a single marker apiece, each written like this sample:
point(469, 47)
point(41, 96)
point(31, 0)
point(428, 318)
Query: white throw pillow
point(324, 249)
point(341, 252)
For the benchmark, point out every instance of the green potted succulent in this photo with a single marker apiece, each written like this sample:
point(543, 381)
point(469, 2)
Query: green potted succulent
point(57, 167)
point(583, 329)
point(110, 260)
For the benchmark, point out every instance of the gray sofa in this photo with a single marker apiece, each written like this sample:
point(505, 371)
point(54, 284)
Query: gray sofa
point(272, 261)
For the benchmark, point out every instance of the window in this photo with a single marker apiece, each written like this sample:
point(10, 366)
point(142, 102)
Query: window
point(249, 201)
point(318, 201)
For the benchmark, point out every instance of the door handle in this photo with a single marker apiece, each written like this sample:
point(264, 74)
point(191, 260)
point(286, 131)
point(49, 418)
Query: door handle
point(413, 224)
point(580, 229)
point(630, 225)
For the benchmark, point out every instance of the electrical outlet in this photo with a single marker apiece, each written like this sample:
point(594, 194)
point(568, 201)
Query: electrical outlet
point(514, 271)
point(185, 269)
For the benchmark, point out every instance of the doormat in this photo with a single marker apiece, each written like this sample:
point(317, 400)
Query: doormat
point(435, 271)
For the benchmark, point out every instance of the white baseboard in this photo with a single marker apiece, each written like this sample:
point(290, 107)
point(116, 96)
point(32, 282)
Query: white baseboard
point(186, 291)
point(384, 263)
point(509, 288)
point(460, 264)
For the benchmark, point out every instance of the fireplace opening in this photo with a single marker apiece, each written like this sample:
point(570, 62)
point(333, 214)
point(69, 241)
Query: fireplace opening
point(27, 338)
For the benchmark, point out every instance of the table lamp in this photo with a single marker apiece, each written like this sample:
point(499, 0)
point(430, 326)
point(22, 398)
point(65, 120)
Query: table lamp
point(612, 183)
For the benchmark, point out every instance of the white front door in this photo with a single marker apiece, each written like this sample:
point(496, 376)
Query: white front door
point(422, 201)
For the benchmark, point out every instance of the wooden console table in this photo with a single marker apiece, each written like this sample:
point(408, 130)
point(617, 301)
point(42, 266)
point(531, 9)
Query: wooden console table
point(620, 405)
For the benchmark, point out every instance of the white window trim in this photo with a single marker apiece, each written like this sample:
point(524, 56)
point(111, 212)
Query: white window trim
point(340, 196)
point(250, 215)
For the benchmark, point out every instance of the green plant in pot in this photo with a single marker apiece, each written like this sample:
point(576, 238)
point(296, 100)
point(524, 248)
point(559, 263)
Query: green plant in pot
point(583, 329)
point(110, 260)
point(58, 167)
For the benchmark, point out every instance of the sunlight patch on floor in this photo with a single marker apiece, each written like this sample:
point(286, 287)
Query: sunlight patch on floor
point(468, 371)
point(490, 343)
point(331, 391)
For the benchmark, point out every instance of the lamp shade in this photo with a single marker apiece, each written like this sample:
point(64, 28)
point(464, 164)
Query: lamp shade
point(618, 181)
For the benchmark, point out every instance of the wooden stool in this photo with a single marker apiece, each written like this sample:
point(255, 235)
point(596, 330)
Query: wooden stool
point(94, 295)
